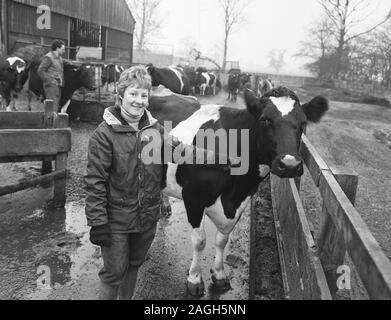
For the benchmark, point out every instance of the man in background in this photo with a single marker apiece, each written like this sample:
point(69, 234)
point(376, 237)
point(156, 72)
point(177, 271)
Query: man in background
point(51, 71)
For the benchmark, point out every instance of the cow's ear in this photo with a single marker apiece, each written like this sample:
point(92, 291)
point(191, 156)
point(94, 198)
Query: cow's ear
point(252, 102)
point(316, 108)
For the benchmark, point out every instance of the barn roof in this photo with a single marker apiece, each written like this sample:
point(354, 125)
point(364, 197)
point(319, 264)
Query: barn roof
point(113, 14)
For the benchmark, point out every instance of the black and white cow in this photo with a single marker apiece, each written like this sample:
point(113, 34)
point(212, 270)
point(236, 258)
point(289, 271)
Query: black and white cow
point(173, 78)
point(13, 76)
point(266, 135)
point(233, 86)
point(111, 74)
point(206, 81)
point(75, 77)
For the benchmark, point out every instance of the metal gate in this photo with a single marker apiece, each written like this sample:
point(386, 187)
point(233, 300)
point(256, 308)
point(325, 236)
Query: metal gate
point(86, 34)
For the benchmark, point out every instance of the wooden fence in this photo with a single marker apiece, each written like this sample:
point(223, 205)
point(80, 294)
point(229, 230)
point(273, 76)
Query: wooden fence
point(37, 136)
point(311, 268)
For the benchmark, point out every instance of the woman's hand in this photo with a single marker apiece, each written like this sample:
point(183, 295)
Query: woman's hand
point(101, 235)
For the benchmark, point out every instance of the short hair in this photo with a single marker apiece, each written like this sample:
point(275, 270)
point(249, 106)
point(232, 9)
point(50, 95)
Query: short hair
point(57, 44)
point(134, 76)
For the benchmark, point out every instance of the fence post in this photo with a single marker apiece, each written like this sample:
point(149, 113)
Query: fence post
point(48, 123)
point(59, 197)
point(331, 243)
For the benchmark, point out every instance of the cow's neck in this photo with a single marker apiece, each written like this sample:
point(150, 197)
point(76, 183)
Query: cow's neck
point(71, 86)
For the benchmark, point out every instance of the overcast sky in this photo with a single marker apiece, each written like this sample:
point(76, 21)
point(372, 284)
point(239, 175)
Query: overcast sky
point(279, 24)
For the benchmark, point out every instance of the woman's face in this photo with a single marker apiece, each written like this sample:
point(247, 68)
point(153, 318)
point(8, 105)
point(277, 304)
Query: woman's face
point(135, 100)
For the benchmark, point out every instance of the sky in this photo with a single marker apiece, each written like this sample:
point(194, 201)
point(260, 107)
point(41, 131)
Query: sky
point(270, 24)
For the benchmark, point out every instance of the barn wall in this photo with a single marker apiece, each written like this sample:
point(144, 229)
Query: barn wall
point(109, 13)
point(119, 46)
point(23, 27)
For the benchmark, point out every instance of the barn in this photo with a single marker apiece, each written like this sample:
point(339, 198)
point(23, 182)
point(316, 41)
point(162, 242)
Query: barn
point(98, 29)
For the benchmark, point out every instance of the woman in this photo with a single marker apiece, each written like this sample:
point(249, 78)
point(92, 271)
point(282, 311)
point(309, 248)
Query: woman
point(123, 193)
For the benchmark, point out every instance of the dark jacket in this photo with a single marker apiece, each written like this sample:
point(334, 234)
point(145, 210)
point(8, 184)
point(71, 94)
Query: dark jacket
point(51, 71)
point(121, 189)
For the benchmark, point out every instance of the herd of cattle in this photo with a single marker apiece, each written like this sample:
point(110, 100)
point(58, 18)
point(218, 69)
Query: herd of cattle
point(273, 121)
point(15, 71)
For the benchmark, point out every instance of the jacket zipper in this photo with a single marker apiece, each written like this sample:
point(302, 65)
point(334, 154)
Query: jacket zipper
point(139, 159)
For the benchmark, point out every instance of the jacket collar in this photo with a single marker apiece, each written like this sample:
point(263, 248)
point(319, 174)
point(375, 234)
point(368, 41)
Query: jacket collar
point(112, 116)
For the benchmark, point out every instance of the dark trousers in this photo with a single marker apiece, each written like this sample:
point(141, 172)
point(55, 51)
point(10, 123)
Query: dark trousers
point(53, 92)
point(122, 259)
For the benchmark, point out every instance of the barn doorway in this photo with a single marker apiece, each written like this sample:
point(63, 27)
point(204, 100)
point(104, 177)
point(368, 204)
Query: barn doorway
point(88, 38)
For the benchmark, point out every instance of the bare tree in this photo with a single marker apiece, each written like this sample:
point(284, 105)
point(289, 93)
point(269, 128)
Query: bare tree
point(346, 16)
point(148, 20)
point(197, 55)
point(276, 59)
point(233, 17)
point(318, 46)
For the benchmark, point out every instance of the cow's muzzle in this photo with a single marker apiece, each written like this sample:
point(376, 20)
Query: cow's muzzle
point(288, 166)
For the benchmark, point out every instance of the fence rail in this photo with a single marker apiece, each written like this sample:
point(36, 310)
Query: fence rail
point(29, 136)
point(311, 265)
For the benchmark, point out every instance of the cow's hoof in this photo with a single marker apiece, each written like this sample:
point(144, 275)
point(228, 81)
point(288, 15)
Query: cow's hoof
point(196, 289)
point(221, 284)
point(165, 211)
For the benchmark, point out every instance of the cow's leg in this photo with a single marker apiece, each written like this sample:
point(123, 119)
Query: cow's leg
point(165, 210)
point(219, 276)
point(195, 214)
point(7, 94)
point(64, 108)
point(203, 90)
point(29, 98)
point(14, 96)
point(195, 283)
point(225, 217)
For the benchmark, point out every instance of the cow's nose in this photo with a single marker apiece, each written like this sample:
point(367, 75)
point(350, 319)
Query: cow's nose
point(288, 167)
point(290, 162)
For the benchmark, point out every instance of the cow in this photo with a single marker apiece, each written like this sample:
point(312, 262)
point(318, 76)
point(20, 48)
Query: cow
point(111, 74)
point(75, 77)
point(267, 135)
point(245, 80)
point(264, 86)
point(171, 77)
point(191, 74)
point(13, 76)
point(233, 86)
point(206, 81)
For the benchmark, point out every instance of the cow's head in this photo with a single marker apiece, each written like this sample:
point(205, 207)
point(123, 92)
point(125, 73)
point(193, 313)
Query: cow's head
point(153, 73)
point(281, 120)
point(83, 75)
point(17, 73)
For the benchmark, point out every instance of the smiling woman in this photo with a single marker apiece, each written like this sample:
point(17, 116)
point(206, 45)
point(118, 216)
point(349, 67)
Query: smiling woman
point(133, 88)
